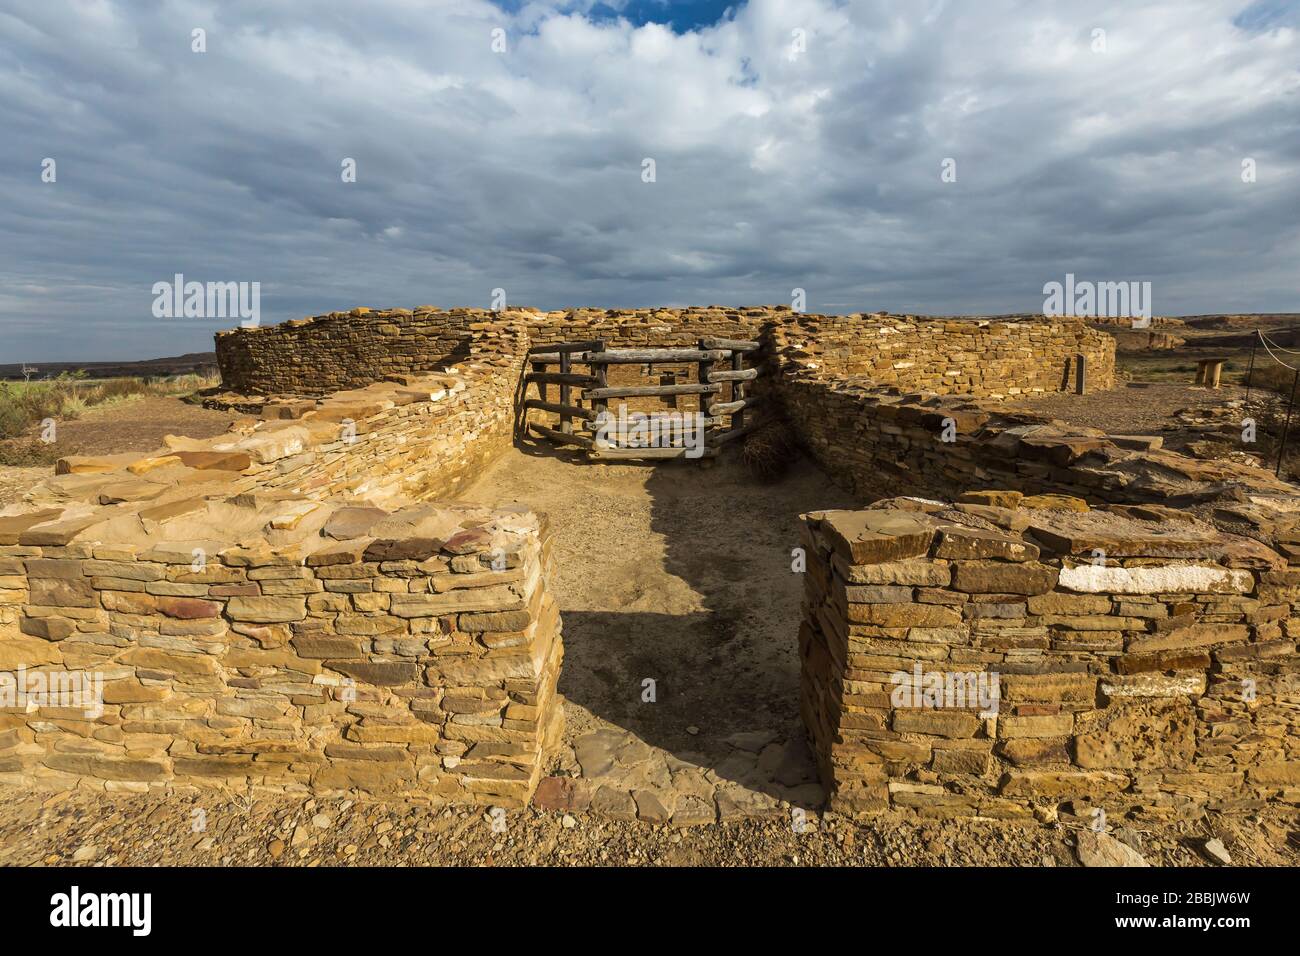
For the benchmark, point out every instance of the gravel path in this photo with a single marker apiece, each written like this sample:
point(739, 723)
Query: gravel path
point(211, 829)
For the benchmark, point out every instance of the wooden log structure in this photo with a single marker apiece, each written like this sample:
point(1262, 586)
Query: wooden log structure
point(737, 407)
point(551, 353)
point(568, 378)
point(584, 399)
point(731, 345)
point(650, 356)
point(564, 438)
point(738, 375)
point(558, 408)
point(610, 454)
point(635, 391)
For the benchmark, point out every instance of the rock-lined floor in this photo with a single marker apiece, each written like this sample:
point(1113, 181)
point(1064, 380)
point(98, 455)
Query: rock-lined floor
point(680, 575)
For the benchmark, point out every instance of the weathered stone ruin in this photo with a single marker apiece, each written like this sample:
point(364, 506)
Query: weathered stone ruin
point(991, 656)
point(304, 603)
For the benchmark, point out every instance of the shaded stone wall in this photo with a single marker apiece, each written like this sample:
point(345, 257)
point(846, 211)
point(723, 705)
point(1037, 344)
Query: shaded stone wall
point(337, 647)
point(342, 350)
point(878, 444)
point(1161, 679)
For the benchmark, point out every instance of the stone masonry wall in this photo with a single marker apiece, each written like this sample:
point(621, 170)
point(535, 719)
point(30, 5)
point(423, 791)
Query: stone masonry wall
point(978, 357)
point(1140, 661)
point(413, 436)
point(877, 444)
point(334, 635)
point(335, 646)
point(231, 671)
point(342, 350)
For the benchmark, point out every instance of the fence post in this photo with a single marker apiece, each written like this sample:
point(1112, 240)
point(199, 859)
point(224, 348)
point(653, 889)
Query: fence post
point(566, 423)
point(1286, 426)
point(738, 389)
point(600, 405)
point(1080, 374)
point(540, 367)
point(1250, 370)
point(706, 398)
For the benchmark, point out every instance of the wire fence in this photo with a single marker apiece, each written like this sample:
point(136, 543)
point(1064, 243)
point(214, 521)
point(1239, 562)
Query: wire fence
point(1272, 348)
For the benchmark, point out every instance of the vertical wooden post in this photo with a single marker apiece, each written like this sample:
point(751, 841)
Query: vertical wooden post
point(1080, 374)
point(566, 423)
point(1250, 370)
point(541, 386)
point(737, 389)
point(600, 405)
point(541, 390)
point(1286, 427)
point(706, 398)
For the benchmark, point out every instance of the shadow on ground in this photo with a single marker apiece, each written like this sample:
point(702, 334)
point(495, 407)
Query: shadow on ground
point(681, 613)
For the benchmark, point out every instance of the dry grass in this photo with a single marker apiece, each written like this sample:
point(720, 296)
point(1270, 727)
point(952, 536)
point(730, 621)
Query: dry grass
point(25, 405)
point(1274, 378)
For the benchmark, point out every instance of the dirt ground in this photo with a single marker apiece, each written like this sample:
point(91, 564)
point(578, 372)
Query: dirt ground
point(674, 573)
point(136, 424)
point(216, 829)
point(1133, 408)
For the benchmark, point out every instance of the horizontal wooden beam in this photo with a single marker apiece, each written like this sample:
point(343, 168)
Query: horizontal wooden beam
point(743, 375)
point(564, 438)
point(732, 345)
point(607, 454)
point(559, 347)
point(721, 438)
point(636, 391)
point(576, 411)
point(560, 378)
point(730, 408)
point(649, 356)
point(615, 427)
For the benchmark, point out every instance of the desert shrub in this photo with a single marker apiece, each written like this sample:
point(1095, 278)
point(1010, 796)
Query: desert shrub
point(23, 404)
point(24, 454)
point(1273, 378)
point(769, 451)
point(1270, 420)
point(13, 417)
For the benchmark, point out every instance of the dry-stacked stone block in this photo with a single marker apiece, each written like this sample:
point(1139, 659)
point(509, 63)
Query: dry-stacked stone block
point(991, 357)
point(877, 443)
point(1007, 656)
point(285, 643)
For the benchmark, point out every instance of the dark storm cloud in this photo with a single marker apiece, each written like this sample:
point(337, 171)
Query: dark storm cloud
point(776, 168)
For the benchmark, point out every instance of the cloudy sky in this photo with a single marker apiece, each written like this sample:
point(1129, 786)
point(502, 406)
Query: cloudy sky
point(796, 143)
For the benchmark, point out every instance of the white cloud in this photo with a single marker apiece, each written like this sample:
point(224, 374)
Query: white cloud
point(522, 170)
